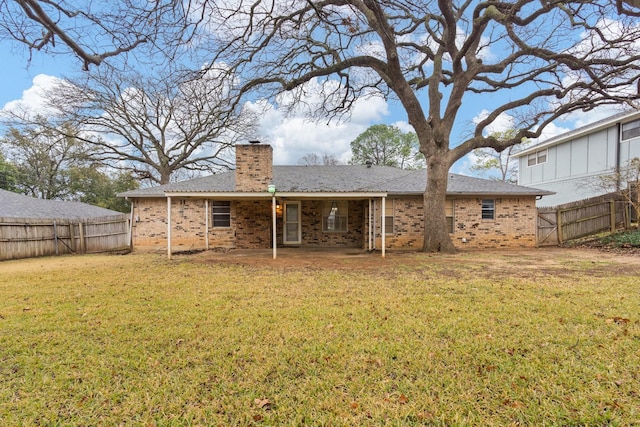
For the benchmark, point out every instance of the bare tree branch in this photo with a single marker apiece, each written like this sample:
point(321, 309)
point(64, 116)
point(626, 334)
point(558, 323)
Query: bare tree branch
point(535, 61)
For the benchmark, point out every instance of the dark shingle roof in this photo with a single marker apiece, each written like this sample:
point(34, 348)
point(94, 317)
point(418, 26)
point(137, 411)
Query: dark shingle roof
point(343, 179)
point(13, 205)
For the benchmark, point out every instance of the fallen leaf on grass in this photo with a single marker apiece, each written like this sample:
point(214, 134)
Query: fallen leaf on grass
point(426, 416)
point(403, 399)
point(354, 405)
point(513, 403)
point(262, 403)
point(618, 320)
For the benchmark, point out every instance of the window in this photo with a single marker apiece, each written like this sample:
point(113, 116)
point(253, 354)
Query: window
point(448, 212)
point(488, 209)
point(334, 216)
point(221, 213)
point(631, 130)
point(388, 216)
point(537, 158)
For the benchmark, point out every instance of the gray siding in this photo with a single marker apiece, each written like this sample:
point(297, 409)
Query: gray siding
point(574, 166)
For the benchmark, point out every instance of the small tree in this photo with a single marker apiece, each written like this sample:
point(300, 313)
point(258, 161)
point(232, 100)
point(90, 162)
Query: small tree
point(95, 187)
point(8, 174)
point(503, 162)
point(42, 157)
point(387, 145)
point(313, 159)
point(625, 182)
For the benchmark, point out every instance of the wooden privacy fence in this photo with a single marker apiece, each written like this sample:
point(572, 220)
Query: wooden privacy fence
point(31, 237)
point(580, 219)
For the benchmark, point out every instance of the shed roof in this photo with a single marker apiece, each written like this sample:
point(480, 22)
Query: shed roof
point(342, 179)
point(13, 205)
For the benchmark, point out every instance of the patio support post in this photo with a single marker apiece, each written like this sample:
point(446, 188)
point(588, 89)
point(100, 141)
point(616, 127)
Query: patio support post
point(383, 225)
point(169, 227)
point(273, 226)
point(206, 224)
point(370, 231)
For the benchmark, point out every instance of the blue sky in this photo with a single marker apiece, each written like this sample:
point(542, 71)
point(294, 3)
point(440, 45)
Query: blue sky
point(292, 136)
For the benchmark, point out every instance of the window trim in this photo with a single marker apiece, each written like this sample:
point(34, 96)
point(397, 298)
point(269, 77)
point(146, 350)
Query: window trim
point(488, 213)
point(389, 205)
point(214, 214)
point(636, 130)
point(297, 221)
point(534, 158)
point(451, 229)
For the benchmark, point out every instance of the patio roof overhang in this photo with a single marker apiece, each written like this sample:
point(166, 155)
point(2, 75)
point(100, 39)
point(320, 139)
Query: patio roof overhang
point(233, 195)
point(267, 196)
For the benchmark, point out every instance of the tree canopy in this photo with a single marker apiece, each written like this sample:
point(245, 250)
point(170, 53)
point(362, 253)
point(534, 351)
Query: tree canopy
point(489, 161)
point(533, 61)
point(387, 145)
point(46, 163)
point(94, 31)
point(530, 60)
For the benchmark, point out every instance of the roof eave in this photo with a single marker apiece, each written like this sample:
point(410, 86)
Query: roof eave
point(266, 195)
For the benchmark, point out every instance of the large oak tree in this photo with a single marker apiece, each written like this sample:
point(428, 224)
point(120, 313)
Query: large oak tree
point(532, 60)
point(94, 31)
point(161, 125)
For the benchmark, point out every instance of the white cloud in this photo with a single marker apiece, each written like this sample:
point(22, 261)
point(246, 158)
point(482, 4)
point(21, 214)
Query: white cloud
point(403, 126)
point(550, 131)
point(33, 99)
point(293, 134)
point(502, 123)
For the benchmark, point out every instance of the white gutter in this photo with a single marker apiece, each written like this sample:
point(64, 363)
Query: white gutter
point(231, 195)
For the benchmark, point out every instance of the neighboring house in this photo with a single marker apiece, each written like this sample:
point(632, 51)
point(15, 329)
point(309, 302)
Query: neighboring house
point(368, 207)
point(14, 205)
point(571, 164)
point(31, 227)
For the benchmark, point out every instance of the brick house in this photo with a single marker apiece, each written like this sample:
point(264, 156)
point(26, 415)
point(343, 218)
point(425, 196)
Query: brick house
point(351, 206)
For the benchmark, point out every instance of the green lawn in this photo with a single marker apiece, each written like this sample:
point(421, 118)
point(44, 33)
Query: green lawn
point(467, 339)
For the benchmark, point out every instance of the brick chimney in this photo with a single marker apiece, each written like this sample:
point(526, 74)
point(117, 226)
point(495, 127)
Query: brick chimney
point(254, 166)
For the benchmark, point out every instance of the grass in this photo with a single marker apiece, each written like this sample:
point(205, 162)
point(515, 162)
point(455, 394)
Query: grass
point(421, 340)
point(624, 239)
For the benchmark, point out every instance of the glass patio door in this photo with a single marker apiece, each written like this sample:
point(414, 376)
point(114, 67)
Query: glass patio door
point(292, 230)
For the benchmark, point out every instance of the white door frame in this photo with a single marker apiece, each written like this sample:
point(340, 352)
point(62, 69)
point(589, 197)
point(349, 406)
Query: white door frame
point(285, 222)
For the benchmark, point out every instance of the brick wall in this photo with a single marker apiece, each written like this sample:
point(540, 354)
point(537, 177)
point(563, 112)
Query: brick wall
point(514, 224)
point(311, 226)
point(250, 225)
point(254, 167)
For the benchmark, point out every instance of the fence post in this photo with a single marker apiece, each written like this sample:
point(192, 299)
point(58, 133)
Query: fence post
point(72, 239)
point(612, 205)
point(55, 237)
point(559, 225)
point(82, 245)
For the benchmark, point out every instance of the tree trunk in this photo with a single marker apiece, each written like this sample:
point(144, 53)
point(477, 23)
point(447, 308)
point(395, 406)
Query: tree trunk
point(436, 234)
